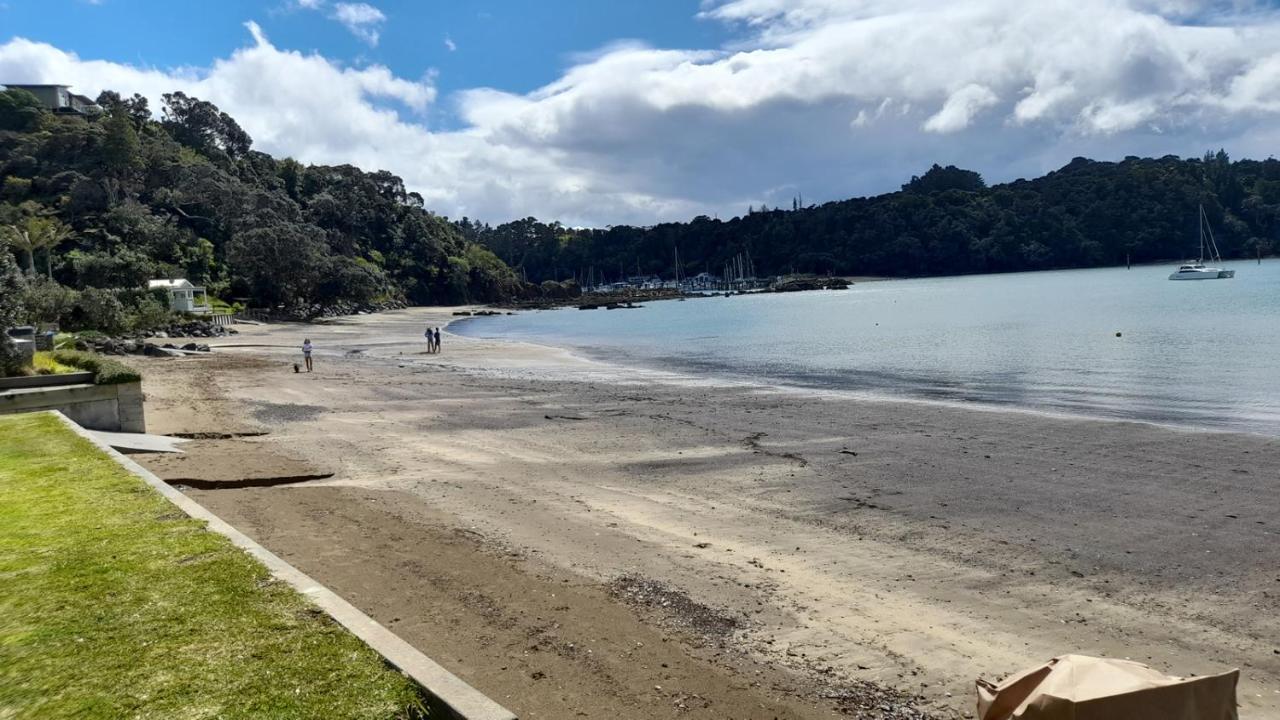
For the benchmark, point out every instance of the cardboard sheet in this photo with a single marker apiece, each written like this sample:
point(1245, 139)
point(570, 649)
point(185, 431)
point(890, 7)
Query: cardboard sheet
point(1078, 687)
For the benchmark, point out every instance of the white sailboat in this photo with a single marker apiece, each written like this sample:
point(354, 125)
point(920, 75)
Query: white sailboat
point(1197, 270)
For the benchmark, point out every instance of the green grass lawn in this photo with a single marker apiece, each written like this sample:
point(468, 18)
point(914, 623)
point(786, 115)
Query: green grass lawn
point(113, 603)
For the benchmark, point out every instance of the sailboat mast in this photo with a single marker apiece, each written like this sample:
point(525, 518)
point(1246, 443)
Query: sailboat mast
point(1201, 222)
point(1213, 244)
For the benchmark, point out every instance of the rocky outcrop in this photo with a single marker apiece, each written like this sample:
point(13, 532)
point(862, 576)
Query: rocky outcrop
point(802, 284)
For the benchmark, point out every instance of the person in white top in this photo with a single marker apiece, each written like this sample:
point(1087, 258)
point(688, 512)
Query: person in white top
point(306, 352)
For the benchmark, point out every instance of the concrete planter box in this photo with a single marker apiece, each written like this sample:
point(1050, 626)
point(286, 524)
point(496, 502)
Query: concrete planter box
point(37, 381)
point(114, 408)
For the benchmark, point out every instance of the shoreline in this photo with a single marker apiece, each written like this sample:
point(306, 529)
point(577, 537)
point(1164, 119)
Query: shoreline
point(910, 545)
point(686, 376)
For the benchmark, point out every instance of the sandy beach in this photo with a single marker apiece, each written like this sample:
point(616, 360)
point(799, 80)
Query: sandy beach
point(584, 540)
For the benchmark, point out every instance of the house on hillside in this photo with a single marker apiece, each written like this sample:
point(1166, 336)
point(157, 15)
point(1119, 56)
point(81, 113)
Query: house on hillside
point(183, 296)
point(59, 98)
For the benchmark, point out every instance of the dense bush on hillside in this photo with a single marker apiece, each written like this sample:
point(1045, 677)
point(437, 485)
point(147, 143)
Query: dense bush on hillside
point(97, 205)
point(947, 221)
point(100, 204)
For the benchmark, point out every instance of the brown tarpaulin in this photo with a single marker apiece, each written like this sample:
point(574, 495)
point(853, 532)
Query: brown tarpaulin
point(1078, 687)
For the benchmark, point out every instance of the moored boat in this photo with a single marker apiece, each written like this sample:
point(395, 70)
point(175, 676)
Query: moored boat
point(1197, 270)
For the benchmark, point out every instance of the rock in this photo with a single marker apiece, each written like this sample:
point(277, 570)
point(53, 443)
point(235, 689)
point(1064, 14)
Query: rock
point(191, 346)
point(129, 346)
point(154, 351)
point(161, 334)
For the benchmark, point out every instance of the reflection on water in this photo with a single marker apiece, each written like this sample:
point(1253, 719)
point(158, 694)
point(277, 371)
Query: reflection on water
point(1201, 354)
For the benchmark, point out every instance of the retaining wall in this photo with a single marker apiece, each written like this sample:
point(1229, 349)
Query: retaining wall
point(447, 695)
point(114, 408)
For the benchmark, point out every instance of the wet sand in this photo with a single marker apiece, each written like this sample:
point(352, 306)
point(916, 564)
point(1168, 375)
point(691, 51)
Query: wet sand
point(803, 543)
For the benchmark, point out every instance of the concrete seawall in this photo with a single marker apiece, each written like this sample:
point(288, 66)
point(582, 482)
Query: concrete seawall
point(115, 408)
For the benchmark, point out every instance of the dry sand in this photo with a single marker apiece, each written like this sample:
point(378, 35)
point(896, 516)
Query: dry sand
point(581, 540)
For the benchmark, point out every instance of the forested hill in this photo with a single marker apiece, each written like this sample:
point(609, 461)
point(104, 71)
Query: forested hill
point(103, 203)
point(947, 221)
point(99, 204)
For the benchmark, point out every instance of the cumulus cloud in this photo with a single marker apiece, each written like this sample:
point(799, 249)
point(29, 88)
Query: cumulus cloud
point(362, 19)
point(829, 98)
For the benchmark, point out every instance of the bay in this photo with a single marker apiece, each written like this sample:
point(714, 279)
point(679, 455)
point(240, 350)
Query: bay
point(1112, 343)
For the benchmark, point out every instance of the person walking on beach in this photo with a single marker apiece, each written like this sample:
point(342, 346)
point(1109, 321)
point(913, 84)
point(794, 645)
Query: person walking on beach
point(431, 340)
point(437, 339)
point(306, 352)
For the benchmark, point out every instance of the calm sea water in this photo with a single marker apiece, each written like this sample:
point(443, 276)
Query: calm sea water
point(1203, 354)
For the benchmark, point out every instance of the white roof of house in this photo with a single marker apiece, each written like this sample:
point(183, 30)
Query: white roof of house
point(178, 284)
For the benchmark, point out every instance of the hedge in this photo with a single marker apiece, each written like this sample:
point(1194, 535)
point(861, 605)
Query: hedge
point(105, 370)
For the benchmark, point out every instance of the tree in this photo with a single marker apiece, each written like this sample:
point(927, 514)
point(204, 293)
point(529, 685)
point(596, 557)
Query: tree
point(32, 232)
point(20, 110)
point(121, 148)
point(278, 265)
point(135, 108)
point(185, 194)
point(939, 179)
point(201, 125)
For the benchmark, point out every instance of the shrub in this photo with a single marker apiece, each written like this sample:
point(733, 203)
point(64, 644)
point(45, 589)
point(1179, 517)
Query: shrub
point(99, 309)
point(45, 301)
point(16, 189)
point(11, 360)
point(105, 370)
point(44, 364)
point(150, 314)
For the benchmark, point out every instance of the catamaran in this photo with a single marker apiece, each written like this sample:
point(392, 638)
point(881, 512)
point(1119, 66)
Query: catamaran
point(1197, 270)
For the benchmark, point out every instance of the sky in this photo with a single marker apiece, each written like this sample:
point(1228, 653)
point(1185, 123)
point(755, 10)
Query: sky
point(601, 113)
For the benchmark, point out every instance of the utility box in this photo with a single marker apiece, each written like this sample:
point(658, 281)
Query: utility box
point(24, 338)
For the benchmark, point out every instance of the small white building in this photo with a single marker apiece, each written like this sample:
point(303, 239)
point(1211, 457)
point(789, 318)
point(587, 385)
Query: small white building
point(183, 296)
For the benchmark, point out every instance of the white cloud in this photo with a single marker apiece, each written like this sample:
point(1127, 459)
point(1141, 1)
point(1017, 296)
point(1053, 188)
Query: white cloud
point(959, 109)
point(362, 19)
point(832, 98)
point(449, 44)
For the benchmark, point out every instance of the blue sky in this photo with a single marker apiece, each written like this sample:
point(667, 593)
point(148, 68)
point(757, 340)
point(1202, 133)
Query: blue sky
point(600, 112)
point(514, 45)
